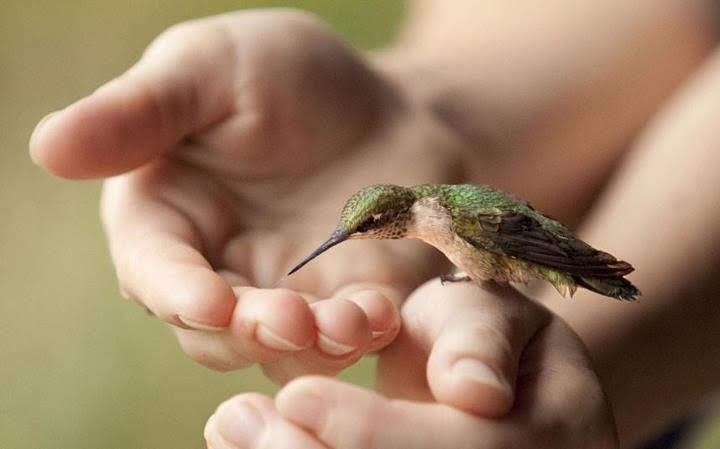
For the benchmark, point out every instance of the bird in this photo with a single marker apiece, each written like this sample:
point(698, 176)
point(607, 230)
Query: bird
point(489, 234)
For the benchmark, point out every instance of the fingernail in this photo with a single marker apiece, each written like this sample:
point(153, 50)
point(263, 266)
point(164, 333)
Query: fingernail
point(272, 340)
point(240, 424)
point(332, 347)
point(476, 371)
point(377, 334)
point(200, 326)
point(305, 408)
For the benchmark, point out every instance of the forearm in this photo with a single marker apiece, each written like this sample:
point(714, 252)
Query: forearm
point(659, 357)
point(549, 92)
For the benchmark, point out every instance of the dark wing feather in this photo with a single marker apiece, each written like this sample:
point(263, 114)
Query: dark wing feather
point(522, 236)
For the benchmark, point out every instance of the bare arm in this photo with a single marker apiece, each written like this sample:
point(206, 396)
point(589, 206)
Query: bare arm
point(590, 76)
point(552, 91)
point(659, 357)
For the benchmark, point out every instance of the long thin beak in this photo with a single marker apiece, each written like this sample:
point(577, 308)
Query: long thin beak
point(337, 237)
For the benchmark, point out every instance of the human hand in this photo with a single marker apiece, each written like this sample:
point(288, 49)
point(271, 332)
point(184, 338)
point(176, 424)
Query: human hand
point(463, 356)
point(229, 149)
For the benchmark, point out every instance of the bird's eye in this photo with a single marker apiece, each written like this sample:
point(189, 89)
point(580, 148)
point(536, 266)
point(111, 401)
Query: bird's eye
point(367, 224)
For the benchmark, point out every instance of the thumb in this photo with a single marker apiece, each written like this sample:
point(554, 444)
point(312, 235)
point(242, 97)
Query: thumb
point(175, 88)
point(475, 338)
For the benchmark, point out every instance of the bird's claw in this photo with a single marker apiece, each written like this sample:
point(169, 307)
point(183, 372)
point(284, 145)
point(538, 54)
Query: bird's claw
point(445, 278)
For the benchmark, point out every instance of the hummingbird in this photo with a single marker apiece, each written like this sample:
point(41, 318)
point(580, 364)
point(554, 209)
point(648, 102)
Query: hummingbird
point(487, 233)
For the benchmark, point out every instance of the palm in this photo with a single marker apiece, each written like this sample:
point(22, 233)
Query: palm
point(269, 172)
point(256, 229)
point(278, 122)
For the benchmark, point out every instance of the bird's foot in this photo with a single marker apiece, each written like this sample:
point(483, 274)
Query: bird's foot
point(445, 278)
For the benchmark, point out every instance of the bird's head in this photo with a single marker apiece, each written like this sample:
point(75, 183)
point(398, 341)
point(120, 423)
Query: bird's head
point(379, 211)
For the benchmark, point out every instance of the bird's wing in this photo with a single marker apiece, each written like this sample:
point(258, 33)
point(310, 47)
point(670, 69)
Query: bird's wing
point(522, 236)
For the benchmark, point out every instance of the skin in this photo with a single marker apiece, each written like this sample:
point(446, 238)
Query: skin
point(216, 220)
point(203, 230)
point(469, 325)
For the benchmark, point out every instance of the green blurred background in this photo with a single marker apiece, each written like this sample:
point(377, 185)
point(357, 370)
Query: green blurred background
point(79, 366)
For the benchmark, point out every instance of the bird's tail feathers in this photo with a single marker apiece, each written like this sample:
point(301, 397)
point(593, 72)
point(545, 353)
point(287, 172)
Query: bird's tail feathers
point(619, 287)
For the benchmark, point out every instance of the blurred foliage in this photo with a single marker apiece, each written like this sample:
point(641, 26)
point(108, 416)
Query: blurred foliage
point(79, 366)
point(708, 435)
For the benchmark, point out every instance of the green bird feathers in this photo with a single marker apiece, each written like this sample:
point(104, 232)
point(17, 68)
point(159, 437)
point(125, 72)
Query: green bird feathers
point(487, 233)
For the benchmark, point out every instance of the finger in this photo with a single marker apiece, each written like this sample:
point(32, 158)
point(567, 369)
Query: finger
point(174, 281)
point(251, 421)
point(555, 379)
point(556, 375)
point(380, 304)
point(156, 252)
point(270, 325)
point(267, 325)
point(349, 417)
point(275, 318)
point(357, 317)
point(289, 76)
point(343, 334)
point(182, 84)
point(475, 339)
point(304, 92)
point(357, 320)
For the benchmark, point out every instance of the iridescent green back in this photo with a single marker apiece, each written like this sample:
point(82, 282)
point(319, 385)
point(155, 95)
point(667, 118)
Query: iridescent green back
point(465, 200)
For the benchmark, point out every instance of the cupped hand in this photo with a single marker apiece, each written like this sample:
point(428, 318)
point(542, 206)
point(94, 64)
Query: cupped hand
point(471, 368)
point(229, 149)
